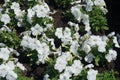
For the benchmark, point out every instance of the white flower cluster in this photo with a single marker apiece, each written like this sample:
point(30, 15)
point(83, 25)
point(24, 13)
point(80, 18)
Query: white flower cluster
point(94, 41)
point(40, 35)
point(75, 10)
point(75, 69)
point(8, 66)
point(7, 70)
point(61, 61)
point(41, 47)
point(41, 10)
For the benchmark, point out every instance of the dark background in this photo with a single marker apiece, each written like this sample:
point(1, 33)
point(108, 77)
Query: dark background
point(113, 17)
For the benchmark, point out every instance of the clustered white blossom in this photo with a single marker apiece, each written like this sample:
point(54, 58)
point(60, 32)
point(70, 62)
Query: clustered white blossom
point(68, 63)
point(41, 47)
point(7, 70)
point(61, 61)
point(75, 69)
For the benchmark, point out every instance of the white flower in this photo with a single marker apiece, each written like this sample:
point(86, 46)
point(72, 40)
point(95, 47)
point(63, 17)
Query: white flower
point(5, 18)
point(20, 66)
point(66, 38)
point(61, 61)
point(116, 42)
point(65, 76)
point(3, 70)
point(67, 32)
point(41, 10)
point(43, 52)
point(7, 70)
point(92, 74)
point(60, 64)
point(30, 13)
point(59, 33)
point(89, 58)
point(11, 75)
point(76, 26)
point(19, 14)
point(111, 55)
point(86, 48)
point(76, 35)
point(100, 3)
point(37, 30)
point(74, 47)
point(89, 66)
point(111, 34)
point(46, 77)
point(76, 67)
point(75, 10)
point(4, 53)
point(11, 65)
point(101, 46)
point(85, 20)
point(89, 5)
point(15, 5)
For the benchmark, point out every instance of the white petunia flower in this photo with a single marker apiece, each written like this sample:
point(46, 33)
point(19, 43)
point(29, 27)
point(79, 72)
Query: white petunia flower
point(61, 61)
point(46, 77)
point(89, 5)
point(75, 10)
point(86, 48)
point(11, 75)
point(5, 18)
point(116, 42)
point(60, 64)
point(31, 13)
point(20, 66)
point(43, 52)
point(7, 70)
point(4, 53)
point(77, 67)
point(74, 47)
point(59, 33)
point(89, 58)
point(91, 74)
point(37, 30)
point(41, 10)
point(76, 26)
point(101, 46)
point(67, 32)
point(111, 55)
point(100, 3)
point(3, 70)
point(15, 6)
point(89, 66)
point(65, 76)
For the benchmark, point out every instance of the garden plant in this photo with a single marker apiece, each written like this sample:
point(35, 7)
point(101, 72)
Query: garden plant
point(56, 40)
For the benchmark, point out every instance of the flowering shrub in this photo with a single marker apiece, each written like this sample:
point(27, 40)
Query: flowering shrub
point(28, 36)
